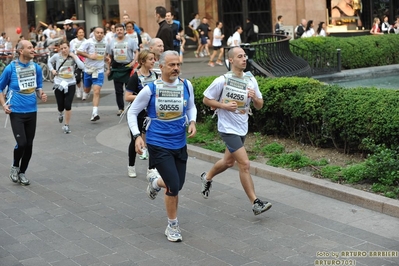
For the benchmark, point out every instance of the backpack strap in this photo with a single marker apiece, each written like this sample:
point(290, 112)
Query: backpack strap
point(185, 84)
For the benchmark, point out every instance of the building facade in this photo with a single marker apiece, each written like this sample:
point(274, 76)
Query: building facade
point(26, 13)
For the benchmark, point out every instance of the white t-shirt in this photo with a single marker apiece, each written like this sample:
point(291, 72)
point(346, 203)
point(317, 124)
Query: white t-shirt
point(65, 69)
point(134, 37)
point(92, 46)
point(308, 33)
point(195, 23)
point(322, 33)
point(75, 44)
point(230, 122)
point(48, 32)
point(216, 37)
point(109, 36)
point(8, 47)
point(236, 40)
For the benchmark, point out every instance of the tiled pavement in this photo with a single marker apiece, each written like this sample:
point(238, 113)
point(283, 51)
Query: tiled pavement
point(82, 209)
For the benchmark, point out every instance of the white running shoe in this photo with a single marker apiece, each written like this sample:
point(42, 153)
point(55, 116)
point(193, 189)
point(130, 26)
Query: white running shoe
point(14, 174)
point(152, 174)
point(131, 171)
point(78, 92)
point(95, 117)
point(66, 129)
point(173, 233)
point(206, 186)
point(85, 96)
point(151, 191)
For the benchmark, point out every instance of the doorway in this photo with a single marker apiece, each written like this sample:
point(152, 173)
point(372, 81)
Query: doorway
point(184, 10)
point(235, 12)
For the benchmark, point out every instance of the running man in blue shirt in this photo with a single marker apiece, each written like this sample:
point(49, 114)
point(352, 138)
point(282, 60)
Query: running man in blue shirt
point(171, 109)
point(24, 80)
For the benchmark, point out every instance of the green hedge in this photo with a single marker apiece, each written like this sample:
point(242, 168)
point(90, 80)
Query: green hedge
point(356, 52)
point(322, 115)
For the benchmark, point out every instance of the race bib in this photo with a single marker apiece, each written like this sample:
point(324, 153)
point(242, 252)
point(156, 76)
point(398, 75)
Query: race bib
point(146, 80)
point(99, 48)
point(235, 89)
point(133, 36)
point(67, 69)
point(169, 101)
point(120, 52)
point(26, 78)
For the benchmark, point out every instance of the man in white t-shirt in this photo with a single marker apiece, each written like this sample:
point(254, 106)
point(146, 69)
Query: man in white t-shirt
point(50, 29)
point(236, 40)
point(93, 77)
point(231, 96)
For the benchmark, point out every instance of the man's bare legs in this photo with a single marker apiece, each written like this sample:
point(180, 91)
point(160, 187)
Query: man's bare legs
point(240, 156)
point(96, 95)
point(96, 101)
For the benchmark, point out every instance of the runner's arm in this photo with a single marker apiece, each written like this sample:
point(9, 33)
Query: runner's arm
point(137, 106)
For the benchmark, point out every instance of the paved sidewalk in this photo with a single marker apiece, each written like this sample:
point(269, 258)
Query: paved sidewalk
point(82, 209)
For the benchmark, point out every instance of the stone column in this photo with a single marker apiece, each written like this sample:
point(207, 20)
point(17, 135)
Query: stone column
point(13, 16)
point(143, 12)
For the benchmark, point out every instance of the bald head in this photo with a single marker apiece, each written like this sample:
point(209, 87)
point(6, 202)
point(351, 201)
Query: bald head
point(156, 46)
point(233, 51)
point(25, 50)
point(237, 59)
point(22, 44)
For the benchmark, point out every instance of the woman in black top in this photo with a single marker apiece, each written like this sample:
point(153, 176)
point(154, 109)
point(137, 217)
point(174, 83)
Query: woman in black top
point(143, 76)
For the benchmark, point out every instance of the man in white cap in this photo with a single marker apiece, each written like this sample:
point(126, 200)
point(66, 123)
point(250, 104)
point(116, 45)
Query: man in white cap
point(69, 31)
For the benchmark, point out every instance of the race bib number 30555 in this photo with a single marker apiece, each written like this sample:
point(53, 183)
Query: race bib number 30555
point(169, 102)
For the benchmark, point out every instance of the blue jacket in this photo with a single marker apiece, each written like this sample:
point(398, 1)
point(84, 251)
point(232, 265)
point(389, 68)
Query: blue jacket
point(20, 103)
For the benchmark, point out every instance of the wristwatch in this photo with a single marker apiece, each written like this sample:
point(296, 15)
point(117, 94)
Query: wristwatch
point(136, 136)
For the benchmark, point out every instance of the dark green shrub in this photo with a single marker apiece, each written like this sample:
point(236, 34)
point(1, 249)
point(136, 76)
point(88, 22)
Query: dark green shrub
point(351, 115)
point(356, 52)
point(311, 112)
point(382, 164)
point(200, 84)
point(354, 173)
point(292, 107)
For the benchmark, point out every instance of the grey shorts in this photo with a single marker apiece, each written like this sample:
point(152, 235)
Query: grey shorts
point(233, 142)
